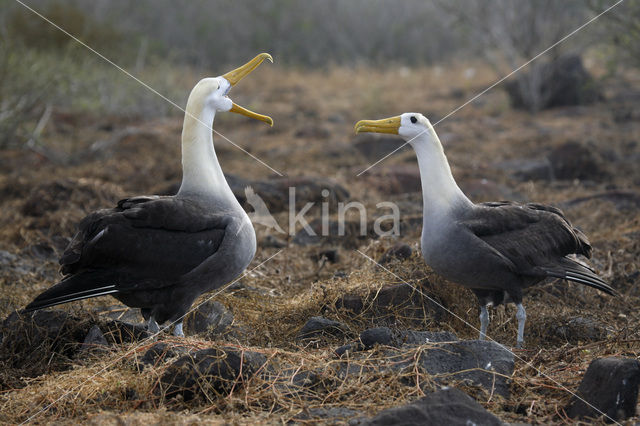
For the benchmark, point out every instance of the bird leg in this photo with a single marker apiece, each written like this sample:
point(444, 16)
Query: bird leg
point(521, 316)
point(177, 330)
point(152, 326)
point(484, 321)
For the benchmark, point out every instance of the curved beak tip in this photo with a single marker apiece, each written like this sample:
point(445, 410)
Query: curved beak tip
point(386, 125)
point(234, 76)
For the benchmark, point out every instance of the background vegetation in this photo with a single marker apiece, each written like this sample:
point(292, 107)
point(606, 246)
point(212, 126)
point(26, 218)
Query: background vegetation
point(158, 41)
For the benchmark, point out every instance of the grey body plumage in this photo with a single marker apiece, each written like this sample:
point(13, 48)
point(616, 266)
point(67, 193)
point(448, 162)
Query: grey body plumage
point(160, 253)
point(496, 249)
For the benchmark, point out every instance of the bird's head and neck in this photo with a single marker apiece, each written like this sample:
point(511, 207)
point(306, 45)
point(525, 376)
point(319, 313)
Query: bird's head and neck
point(201, 172)
point(440, 191)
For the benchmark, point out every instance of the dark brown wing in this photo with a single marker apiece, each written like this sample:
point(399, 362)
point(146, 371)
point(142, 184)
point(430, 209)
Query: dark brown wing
point(144, 243)
point(526, 230)
point(141, 230)
point(536, 238)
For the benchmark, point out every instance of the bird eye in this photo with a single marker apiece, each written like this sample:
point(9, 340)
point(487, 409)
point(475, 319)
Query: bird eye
point(414, 119)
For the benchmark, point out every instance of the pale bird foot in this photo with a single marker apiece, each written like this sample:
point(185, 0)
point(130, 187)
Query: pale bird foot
point(152, 326)
point(177, 331)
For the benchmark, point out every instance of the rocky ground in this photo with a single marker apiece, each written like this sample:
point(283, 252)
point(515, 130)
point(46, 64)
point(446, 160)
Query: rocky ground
point(319, 333)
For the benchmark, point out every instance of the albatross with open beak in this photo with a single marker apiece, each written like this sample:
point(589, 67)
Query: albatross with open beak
point(160, 253)
point(496, 249)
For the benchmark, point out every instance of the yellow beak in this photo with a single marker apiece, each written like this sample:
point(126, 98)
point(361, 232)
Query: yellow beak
point(233, 77)
point(243, 111)
point(386, 125)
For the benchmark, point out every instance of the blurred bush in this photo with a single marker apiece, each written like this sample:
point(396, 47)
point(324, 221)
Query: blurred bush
point(620, 31)
point(23, 26)
point(40, 66)
point(510, 33)
point(31, 79)
point(219, 33)
point(27, 81)
point(562, 82)
point(160, 41)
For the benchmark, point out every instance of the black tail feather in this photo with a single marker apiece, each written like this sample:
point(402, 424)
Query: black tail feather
point(576, 272)
point(76, 287)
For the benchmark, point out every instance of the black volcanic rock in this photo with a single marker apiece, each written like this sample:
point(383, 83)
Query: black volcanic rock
point(449, 406)
point(388, 337)
point(319, 326)
point(573, 160)
point(209, 373)
point(400, 251)
point(609, 386)
point(211, 318)
point(42, 341)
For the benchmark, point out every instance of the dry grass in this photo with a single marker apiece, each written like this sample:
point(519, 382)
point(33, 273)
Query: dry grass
point(275, 301)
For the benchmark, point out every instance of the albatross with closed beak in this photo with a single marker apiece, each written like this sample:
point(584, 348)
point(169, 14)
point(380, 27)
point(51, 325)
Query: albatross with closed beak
point(159, 253)
point(496, 249)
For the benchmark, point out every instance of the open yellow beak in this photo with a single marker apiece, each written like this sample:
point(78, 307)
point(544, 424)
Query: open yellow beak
point(386, 125)
point(243, 111)
point(233, 77)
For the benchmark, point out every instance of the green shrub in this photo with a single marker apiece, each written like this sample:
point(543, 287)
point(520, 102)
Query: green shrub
point(25, 27)
point(28, 80)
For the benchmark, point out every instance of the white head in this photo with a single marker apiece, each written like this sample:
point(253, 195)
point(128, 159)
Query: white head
point(409, 126)
point(412, 125)
point(440, 190)
point(212, 93)
point(201, 171)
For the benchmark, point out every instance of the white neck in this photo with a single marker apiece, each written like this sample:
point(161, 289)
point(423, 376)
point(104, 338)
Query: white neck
point(440, 192)
point(201, 172)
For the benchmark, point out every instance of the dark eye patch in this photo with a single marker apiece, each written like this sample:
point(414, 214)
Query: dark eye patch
point(414, 119)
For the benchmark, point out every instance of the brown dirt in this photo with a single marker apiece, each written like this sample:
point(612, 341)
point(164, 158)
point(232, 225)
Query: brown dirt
point(42, 200)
